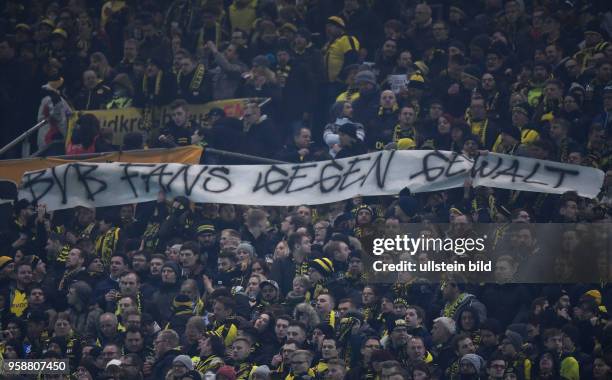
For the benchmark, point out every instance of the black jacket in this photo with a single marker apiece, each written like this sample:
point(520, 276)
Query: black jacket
point(163, 365)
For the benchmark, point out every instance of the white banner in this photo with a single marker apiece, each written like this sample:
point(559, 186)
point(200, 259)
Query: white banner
point(380, 173)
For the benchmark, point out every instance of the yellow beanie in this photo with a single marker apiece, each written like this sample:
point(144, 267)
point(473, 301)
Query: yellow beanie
point(406, 143)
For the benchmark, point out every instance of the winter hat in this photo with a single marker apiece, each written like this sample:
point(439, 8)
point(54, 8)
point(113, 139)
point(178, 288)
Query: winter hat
point(365, 76)
point(349, 129)
point(184, 360)
point(172, 265)
point(364, 206)
point(323, 265)
point(515, 339)
point(4, 261)
point(261, 370)
point(181, 305)
point(273, 283)
point(338, 21)
point(407, 203)
point(261, 60)
point(205, 227)
point(227, 371)
point(406, 144)
point(476, 360)
point(60, 32)
point(417, 81)
point(596, 294)
point(397, 323)
point(47, 22)
point(245, 245)
point(23, 27)
point(114, 362)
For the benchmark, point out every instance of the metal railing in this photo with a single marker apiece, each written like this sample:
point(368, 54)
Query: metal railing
point(22, 137)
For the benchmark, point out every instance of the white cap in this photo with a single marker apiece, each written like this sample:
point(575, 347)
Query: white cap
point(115, 362)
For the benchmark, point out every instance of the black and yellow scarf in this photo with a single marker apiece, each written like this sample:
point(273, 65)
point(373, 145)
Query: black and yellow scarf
point(106, 244)
point(196, 80)
point(451, 308)
point(211, 363)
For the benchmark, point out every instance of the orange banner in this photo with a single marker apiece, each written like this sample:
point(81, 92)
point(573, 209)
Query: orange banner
point(12, 170)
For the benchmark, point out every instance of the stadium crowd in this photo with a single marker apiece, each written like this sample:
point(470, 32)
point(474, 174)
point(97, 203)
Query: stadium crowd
point(173, 289)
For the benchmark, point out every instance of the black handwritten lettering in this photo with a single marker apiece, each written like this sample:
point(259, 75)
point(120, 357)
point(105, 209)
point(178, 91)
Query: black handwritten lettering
point(127, 175)
point(221, 173)
point(427, 169)
point(267, 184)
point(85, 178)
point(187, 187)
point(30, 182)
point(160, 173)
point(294, 176)
point(381, 178)
point(324, 179)
point(511, 171)
point(480, 171)
point(454, 160)
point(534, 170)
point(352, 170)
point(562, 173)
point(61, 184)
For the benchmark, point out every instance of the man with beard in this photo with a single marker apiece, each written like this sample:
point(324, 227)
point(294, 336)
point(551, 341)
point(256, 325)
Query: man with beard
point(470, 367)
point(398, 342)
point(209, 247)
point(481, 124)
